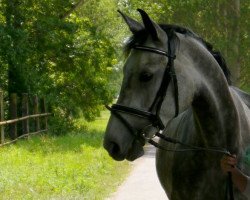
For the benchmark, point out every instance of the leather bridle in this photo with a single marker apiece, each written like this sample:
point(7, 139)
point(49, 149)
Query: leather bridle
point(153, 113)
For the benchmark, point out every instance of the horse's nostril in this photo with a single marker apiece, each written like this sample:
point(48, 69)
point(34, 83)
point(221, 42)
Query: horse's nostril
point(114, 151)
point(114, 148)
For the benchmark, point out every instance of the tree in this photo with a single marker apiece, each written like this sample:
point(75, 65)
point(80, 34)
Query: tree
point(49, 49)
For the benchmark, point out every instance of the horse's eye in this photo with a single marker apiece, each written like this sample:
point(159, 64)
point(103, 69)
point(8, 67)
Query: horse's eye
point(145, 76)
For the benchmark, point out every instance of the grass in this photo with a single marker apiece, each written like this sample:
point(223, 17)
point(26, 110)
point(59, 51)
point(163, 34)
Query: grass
point(73, 166)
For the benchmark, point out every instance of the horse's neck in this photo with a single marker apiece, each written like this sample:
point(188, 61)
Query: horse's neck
point(216, 115)
point(215, 112)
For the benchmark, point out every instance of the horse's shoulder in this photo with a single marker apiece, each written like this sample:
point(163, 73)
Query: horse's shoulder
point(182, 124)
point(245, 97)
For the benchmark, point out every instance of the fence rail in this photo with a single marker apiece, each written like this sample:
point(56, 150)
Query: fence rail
point(23, 118)
point(39, 119)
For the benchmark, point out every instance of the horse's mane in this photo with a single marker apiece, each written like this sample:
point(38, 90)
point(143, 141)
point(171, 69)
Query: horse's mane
point(142, 35)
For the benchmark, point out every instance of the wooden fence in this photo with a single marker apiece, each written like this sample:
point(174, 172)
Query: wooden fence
point(39, 120)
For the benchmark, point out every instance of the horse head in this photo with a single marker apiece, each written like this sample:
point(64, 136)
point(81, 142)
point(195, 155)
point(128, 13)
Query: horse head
point(148, 99)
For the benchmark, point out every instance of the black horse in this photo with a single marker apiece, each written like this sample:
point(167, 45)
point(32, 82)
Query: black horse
point(175, 82)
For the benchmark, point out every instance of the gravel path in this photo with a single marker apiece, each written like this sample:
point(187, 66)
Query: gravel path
point(142, 183)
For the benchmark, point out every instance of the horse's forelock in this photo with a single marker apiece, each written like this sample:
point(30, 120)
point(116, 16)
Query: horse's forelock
point(136, 39)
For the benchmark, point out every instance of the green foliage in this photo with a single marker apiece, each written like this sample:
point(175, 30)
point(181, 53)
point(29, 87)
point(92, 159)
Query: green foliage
point(69, 60)
point(72, 166)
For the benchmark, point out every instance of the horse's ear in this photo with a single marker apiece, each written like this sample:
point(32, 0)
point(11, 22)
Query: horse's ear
point(153, 28)
point(133, 25)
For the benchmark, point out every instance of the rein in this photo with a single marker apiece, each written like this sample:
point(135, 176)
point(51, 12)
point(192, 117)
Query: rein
point(188, 146)
point(153, 113)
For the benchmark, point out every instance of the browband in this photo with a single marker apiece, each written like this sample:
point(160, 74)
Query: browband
point(154, 50)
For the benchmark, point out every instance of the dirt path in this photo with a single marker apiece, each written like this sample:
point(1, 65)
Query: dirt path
point(142, 182)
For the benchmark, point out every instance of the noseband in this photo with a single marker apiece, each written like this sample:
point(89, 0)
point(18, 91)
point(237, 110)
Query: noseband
point(153, 113)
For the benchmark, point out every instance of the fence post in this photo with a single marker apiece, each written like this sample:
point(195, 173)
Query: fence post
point(37, 120)
point(13, 115)
point(44, 110)
point(1, 116)
point(25, 112)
